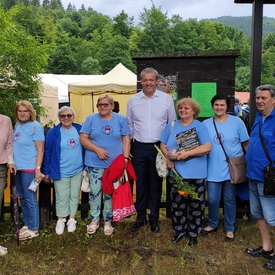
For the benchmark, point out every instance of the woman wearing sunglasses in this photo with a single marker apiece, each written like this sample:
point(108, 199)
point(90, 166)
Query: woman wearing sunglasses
point(63, 163)
point(104, 135)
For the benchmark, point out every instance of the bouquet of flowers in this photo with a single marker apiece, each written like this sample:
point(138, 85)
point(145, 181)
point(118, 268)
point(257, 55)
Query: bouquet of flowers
point(184, 189)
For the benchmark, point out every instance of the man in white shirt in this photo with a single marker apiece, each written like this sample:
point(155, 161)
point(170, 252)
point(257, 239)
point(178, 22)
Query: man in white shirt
point(148, 112)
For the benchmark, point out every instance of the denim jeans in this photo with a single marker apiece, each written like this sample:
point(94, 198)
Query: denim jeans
point(228, 190)
point(3, 181)
point(95, 177)
point(28, 200)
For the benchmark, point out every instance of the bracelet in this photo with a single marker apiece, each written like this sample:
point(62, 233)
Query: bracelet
point(127, 158)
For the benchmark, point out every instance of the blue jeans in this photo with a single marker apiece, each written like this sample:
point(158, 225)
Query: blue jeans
point(28, 199)
point(228, 190)
point(95, 177)
point(261, 206)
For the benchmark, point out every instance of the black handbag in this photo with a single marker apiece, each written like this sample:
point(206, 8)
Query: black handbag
point(269, 171)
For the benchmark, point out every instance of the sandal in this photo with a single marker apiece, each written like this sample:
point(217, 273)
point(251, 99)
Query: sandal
point(3, 250)
point(108, 230)
point(259, 252)
point(270, 265)
point(23, 229)
point(91, 228)
point(28, 234)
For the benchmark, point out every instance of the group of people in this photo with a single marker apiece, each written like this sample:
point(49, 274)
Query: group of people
point(150, 121)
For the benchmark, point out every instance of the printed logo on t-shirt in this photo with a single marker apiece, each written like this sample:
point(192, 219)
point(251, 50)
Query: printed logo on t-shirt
point(16, 136)
point(217, 138)
point(107, 130)
point(72, 143)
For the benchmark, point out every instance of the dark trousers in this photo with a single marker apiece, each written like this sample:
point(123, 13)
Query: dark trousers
point(149, 184)
point(187, 214)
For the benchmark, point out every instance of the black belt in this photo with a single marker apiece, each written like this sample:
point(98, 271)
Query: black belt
point(148, 143)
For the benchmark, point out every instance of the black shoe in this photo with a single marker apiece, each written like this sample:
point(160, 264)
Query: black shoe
point(154, 226)
point(176, 238)
point(259, 252)
point(270, 265)
point(229, 240)
point(206, 232)
point(193, 241)
point(138, 225)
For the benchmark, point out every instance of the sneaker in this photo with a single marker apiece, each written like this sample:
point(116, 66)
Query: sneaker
point(71, 225)
point(60, 225)
point(3, 250)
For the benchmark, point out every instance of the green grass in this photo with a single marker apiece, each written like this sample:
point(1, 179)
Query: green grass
point(126, 253)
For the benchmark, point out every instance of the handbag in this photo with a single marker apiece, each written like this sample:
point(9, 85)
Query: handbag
point(122, 199)
point(161, 162)
point(237, 165)
point(85, 184)
point(269, 171)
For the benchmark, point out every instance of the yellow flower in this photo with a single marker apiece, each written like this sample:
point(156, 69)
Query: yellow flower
point(184, 189)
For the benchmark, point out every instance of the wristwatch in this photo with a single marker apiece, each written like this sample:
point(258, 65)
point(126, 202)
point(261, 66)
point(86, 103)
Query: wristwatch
point(38, 167)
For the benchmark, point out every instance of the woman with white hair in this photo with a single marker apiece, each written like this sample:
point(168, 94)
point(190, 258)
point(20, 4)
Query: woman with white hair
point(63, 163)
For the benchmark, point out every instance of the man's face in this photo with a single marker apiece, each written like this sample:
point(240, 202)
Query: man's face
point(264, 102)
point(149, 82)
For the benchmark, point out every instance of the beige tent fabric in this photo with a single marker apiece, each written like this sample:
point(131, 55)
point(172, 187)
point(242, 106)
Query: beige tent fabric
point(118, 80)
point(120, 83)
point(50, 103)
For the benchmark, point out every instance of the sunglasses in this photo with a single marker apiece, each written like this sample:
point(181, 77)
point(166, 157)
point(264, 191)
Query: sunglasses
point(102, 105)
point(68, 116)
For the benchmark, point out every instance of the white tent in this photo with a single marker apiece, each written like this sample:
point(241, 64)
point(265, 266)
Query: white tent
point(61, 82)
point(120, 82)
point(49, 100)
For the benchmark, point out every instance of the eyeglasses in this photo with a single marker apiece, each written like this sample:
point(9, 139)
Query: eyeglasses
point(68, 116)
point(102, 105)
point(22, 111)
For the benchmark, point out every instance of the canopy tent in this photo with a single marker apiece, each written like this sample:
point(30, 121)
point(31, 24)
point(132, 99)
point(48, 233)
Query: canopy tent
point(61, 82)
point(49, 99)
point(120, 83)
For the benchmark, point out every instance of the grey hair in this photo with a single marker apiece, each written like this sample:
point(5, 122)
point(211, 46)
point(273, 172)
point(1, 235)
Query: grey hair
point(65, 108)
point(266, 87)
point(110, 98)
point(149, 71)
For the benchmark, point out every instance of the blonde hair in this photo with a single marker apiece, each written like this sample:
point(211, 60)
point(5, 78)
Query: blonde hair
point(192, 103)
point(28, 106)
point(110, 98)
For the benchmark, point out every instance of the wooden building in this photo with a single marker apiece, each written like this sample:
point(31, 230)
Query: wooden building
point(196, 74)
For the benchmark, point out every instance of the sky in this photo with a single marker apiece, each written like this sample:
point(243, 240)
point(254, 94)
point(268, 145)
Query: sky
point(199, 9)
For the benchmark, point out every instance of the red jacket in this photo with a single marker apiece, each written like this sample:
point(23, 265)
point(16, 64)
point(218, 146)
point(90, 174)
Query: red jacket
point(114, 172)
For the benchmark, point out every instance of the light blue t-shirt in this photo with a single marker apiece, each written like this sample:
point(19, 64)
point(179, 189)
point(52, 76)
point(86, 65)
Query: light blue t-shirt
point(24, 150)
point(106, 134)
point(232, 132)
point(195, 167)
point(71, 162)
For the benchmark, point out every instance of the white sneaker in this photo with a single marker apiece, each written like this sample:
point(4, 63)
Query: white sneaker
point(60, 225)
point(71, 225)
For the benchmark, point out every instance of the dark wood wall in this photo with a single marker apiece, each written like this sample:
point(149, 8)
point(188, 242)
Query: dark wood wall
point(214, 66)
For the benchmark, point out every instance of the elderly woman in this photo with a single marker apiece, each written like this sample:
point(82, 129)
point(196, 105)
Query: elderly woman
point(104, 135)
point(191, 140)
point(63, 163)
point(28, 148)
point(234, 136)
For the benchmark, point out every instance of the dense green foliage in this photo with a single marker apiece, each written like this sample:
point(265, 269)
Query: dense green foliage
point(45, 37)
point(245, 22)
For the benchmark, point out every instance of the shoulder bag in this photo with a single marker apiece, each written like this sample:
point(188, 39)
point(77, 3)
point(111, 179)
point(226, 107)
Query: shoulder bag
point(269, 171)
point(237, 165)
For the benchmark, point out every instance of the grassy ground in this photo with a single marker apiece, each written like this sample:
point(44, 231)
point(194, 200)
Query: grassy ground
point(126, 253)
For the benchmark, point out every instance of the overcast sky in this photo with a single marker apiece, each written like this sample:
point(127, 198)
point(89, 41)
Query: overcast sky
point(200, 9)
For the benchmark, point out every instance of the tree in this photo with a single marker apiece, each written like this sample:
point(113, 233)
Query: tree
point(90, 66)
point(45, 3)
point(123, 24)
point(35, 3)
point(22, 58)
point(8, 4)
